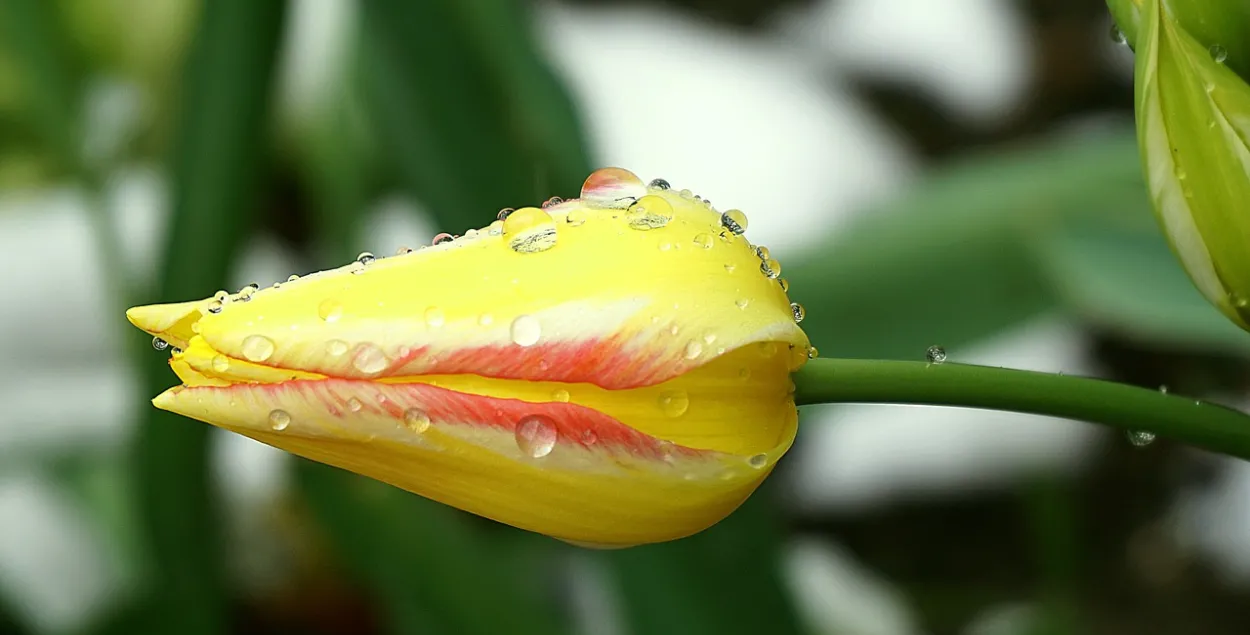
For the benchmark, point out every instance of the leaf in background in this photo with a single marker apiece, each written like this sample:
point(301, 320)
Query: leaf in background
point(425, 563)
point(32, 33)
point(950, 262)
point(472, 116)
point(1193, 124)
point(215, 163)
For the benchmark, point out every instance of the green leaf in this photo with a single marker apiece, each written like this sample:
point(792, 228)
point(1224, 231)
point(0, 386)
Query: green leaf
point(215, 163)
point(1193, 123)
point(426, 563)
point(1219, 25)
point(33, 33)
point(949, 261)
point(472, 115)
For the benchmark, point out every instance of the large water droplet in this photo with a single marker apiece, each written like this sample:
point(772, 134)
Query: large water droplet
point(536, 436)
point(525, 330)
point(365, 258)
point(416, 420)
point(370, 359)
point(257, 348)
point(1140, 438)
point(735, 221)
point(279, 420)
point(935, 354)
point(530, 230)
point(659, 184)
point(770, 268)
point(434, 317)
point(650, 212)
point(221, 363)
point(694, 349)
point(159, 344)
point(330, 310)
point(797, 310)
point(674, 403)
point(615, 188)
point(758, 461)
point(1219, 54)
point(336, 347)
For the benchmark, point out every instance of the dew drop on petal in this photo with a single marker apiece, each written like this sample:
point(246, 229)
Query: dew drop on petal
point(504, 213)
point(403, 251)
point(770, 268)
point(650, 212)
point(354, 405)
point(1117, 35)
point(330, 310)
point(935, 354)
point(257, 348)
point(336, 347)
point(703, 239)
point(293, 277)
point(735, 221)
point(758, 461)
point(552, 202)
point(530, 230)
point(694, 349)
point(785, 286)
point(1219, 54)
point(370, 359)
point(612, 188)
point(561, 395)
point(441, 238)
point(797, 310)
point(365, 258)
point(812, 353)
point(730, 267)
point(763, 253)
point(525, 330)
point(220, 363)
point(279, 420)
point(1140, 438)
point(416, 420)
point(536, 436)
point(674, 403)
point(576, 217)
point(659, 184)
point(434, 317)
point(742, 303)
point(159, 344)
point(589, 437)
point(214, 306)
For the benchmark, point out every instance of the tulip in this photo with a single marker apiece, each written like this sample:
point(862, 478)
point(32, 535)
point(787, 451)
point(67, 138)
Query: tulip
point(610, 371)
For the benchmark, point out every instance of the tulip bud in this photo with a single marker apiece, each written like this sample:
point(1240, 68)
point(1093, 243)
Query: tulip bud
point(610, 370)
point(1193, 126)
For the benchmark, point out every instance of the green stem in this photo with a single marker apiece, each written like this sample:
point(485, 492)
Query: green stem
point(1129, 408)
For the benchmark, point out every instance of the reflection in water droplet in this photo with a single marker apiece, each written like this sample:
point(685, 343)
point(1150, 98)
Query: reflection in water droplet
point(536, 436)
point(434, 317)
point(1140, 438)
point(770, 268)
point(354, 405)
point(257, 348)
point(370, 359)
point(159, 344)
point(530, 230)
point(441, 238)
point(365, 258)
point(525, 330)
point(279, 420)
point(694, 349)
point(734, 220)
point(759, 461)
point(561, 395)
point(575, 217)
point(674, 403)
point(650, 212)
point(935, 354)
point(221, 363)
point(336, 347)
point(416, 420)
point(1218, 53)
point(659, 184)
point(222, 297)
point(797, 310)
point(330, 310)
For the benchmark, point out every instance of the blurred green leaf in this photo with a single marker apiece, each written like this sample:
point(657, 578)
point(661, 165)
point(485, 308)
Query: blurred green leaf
point(950, 261)
point(1193, 123)
point(429, 568)
point(471, 114)
point(33, 33)
point(214, 168)
point(725, 580)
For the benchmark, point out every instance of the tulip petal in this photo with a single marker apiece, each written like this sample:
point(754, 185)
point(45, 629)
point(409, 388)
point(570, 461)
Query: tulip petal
point(170, 322)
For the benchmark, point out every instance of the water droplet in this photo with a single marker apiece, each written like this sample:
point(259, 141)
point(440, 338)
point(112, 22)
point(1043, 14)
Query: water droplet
point(221, 363)
point(1218, 53)
point(770, 268)
point(589, 437)
point(365, 258)
point(742, 303)
point(536, 436)
point(330, 310)
point(613, 188)
point(763, 253)
point(530, 230)
point(735, 221)
point(434, 317)
point(257, 348)
point(1140, 438)
point(214, 306)
point(703, 239)
point(504, 213)
point(650, 212)
point(441, 238)
point(246, 293)
point(729, 267)
point(292, 278)
point(759, 461)
point(159, 344)
point(336, 347)
point(1163, 389)
point(354, 405)
point(279, 420)
point(403, 251)
point(576, 217)
point(686, 194)
point(485, 319)
point(694, 349)
point(561, 395)
point(709, 338)
point(767, 349)
point(1117, 35)
point(673, 330)
point(812, 353)
point(659, 184)
point(797, 310)
point(674, 403)
point(935, 354)
point(785, 286)
point(417, 420)
point(222, 297)
point(1239, 301)
point(370, 359)
point(525, 330)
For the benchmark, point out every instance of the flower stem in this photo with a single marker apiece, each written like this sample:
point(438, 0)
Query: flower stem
point(1129, 408)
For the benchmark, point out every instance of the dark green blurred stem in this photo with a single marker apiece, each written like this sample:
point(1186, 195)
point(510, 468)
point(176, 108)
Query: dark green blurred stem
point(1121, 406)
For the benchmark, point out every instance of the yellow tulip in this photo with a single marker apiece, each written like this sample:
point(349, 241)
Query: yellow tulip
point(610, 371)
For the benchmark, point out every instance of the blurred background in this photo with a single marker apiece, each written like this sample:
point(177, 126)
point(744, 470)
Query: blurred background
point(959, 173)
